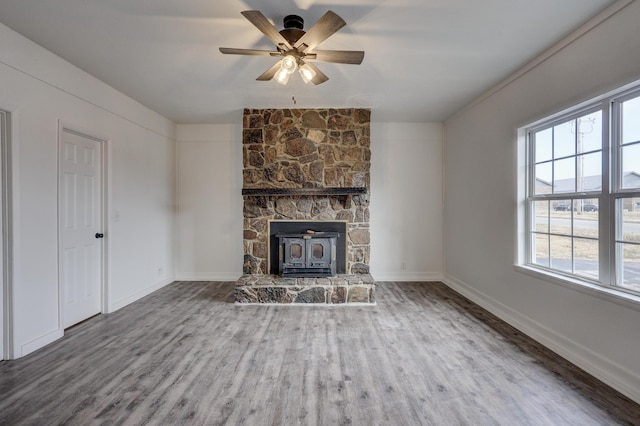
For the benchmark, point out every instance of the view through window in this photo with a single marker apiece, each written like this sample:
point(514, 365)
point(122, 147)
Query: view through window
point(583, 193)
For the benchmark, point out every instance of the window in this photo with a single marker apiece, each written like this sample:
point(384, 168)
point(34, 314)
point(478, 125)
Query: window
point(583, 193)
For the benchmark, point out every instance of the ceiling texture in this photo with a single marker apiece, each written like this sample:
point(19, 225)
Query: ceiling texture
point(424, 60)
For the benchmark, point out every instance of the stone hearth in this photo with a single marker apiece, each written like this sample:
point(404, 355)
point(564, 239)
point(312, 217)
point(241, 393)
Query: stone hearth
point(306, 165)
point(340, 289)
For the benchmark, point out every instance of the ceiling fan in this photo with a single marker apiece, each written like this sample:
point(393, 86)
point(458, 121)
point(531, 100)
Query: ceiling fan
point(297, 47)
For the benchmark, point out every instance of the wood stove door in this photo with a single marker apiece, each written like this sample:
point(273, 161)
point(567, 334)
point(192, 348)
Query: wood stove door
point(319, 253)
point(295, 253)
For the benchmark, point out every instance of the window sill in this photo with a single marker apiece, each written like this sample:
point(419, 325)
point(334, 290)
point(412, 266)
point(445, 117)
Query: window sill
point(628, 300)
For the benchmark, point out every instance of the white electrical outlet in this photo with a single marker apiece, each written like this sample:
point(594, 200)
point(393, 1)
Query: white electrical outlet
point(403, 266)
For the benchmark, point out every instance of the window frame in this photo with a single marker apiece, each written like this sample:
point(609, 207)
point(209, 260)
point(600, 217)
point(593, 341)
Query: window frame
point(610, 260)
point(618, 192)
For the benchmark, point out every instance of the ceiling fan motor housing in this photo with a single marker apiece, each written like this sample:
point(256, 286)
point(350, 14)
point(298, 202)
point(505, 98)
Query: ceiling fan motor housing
point(293, 21)
point(293, 25)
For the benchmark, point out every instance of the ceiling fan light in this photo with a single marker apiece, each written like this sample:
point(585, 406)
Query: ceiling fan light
point(307, 73)
point(289, 63)
point(282, 76)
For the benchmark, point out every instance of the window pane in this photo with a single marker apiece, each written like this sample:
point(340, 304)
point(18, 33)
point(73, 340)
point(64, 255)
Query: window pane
point(631, 266)
point(590, 132)
point(629, 233)
point(541, 249)
point(543, 145)
point(564, 140)
point(631, 120)
point(589, 172)
point(562, 210)
point(585, 220)
point(541, 215)
point(564, 175)
point(631, 166)
point(630, 222)
point(585, 253)
point(543, 178)
point(560, 253)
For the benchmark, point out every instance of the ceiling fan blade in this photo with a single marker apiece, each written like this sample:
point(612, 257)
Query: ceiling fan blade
point(320, 77)
point(268, 74)
point(262, 23)
point(320, 31)
point(232, 51)
point(354, 57)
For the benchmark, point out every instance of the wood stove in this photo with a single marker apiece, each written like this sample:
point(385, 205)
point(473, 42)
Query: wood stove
point(311, 254)
point(312, 230)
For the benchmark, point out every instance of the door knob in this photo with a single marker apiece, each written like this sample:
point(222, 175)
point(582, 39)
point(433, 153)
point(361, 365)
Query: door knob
point(99, 235)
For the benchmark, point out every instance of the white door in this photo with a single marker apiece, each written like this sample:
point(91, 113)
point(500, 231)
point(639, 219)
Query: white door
point(81, 227)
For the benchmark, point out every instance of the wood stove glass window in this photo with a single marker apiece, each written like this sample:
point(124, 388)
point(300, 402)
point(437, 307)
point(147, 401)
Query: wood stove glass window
point(318, 251)
point(296, 251)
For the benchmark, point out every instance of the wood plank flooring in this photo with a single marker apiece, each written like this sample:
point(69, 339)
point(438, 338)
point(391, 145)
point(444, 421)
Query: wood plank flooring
point(187, 355)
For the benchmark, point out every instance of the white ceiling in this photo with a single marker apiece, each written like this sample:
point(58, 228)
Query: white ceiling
point(424, 60)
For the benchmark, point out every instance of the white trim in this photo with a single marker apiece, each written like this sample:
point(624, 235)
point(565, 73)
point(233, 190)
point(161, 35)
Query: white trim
point(5, 247)
point(16, 220)
point(408, 276)
point(208, 276)
point(106, 184)
point(39, 342)
point(9, 220)
point(522, 216)
point(615, 375)
point(118, 304)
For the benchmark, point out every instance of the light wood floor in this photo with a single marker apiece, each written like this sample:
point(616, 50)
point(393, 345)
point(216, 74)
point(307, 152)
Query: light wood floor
point(187, 355)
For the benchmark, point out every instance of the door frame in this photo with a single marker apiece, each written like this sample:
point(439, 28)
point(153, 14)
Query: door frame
point(7, 125)
point(104, 144)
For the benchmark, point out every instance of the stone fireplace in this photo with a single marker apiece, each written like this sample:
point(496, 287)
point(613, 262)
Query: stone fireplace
point(309, 168)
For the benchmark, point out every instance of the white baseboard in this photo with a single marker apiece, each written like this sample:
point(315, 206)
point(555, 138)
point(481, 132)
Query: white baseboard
point(38, 343)
point(408, 276)
point(208, 276)
point(137, 295)
point(625, 381)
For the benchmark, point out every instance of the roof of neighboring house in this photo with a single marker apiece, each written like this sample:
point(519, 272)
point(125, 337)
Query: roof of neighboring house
point(542, 182)
point(594, 183)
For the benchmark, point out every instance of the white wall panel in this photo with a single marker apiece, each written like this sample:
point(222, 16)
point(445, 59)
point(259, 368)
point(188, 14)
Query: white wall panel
point(209, 213)
point(406, 201)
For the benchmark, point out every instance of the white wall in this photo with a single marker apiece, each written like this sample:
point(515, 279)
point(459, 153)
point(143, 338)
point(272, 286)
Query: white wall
point(209, 213)
point(599, 334)
point(406, 201)
point(41, 90)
